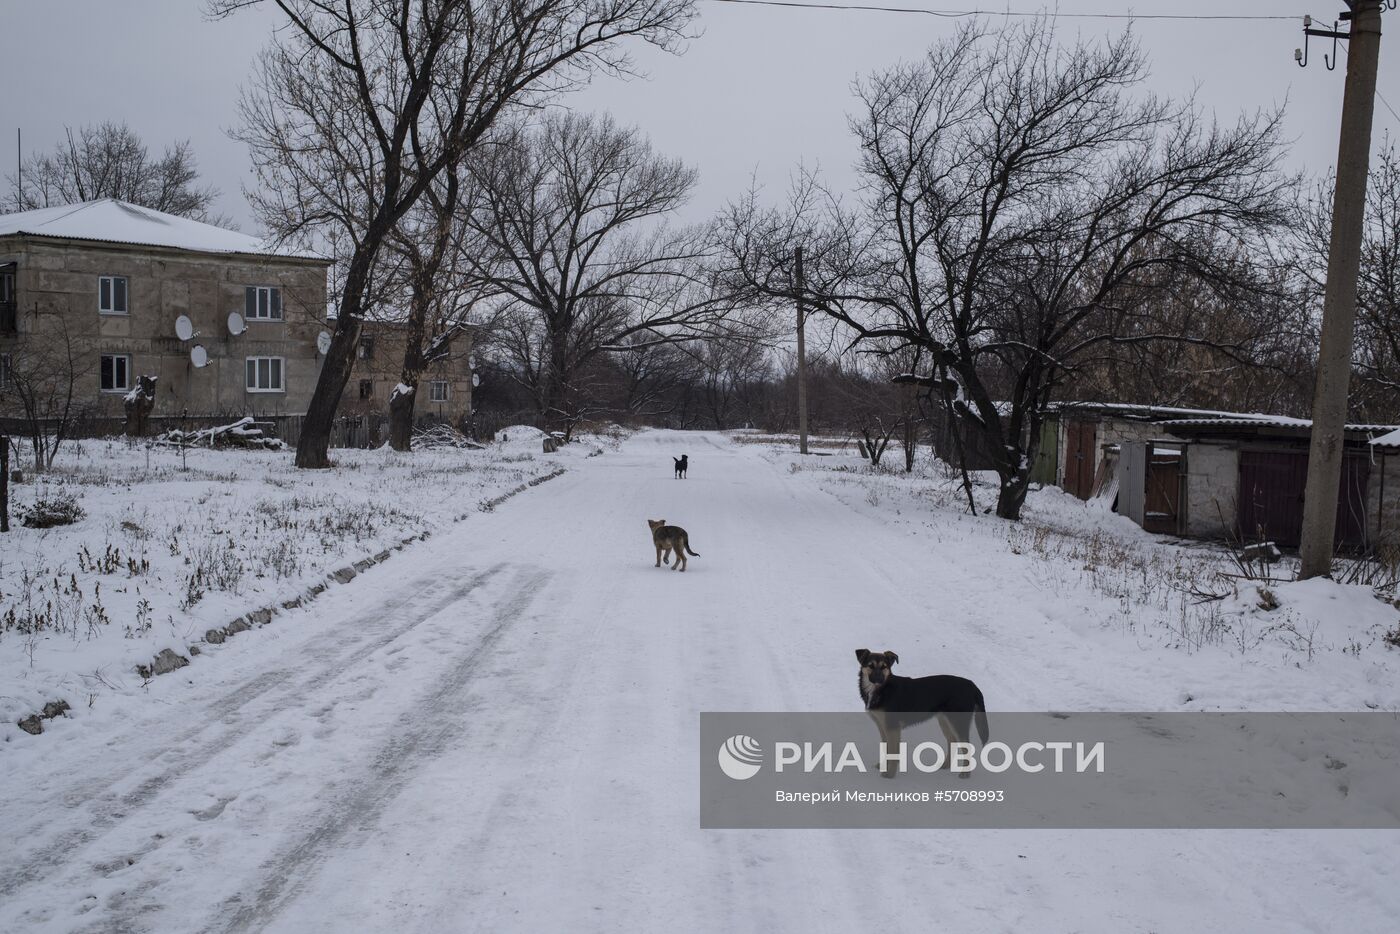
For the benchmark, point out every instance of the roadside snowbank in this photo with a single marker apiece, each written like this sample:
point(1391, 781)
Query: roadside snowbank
point(1205, 636)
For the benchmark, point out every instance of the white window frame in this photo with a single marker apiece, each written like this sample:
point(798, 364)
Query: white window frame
point(111, 284)
point(433, 387)
point(126, 372)
point(262, 308)
point(251, 385)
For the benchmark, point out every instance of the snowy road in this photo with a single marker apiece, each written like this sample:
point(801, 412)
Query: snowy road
point(498, 730)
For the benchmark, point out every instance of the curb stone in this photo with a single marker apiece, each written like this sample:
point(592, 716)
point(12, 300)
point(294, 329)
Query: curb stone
point(488, 505)
point(34, 723)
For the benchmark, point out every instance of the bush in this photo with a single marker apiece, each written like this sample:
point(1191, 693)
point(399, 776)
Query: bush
point(51, 510)
point(1392, 638)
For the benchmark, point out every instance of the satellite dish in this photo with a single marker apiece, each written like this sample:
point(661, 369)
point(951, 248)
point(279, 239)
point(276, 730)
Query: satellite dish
point(236, 324)
point(199, 356)
point(476, 380)
point(184, 328)
point(323, 342)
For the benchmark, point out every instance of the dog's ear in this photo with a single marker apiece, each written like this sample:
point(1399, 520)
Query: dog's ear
point(892, 657)
point(862, 655)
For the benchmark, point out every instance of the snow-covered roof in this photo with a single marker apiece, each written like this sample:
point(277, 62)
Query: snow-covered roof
point(1263, 421)
point(1172, 418)
point(1390, 439)
point(111, 221)
point(1180, 415)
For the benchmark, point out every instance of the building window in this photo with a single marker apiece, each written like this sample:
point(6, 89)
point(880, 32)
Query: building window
point(265, 374)
point(437, 391)
point(366, 388)
point(116, 372)
point(4, 371)
point(111, 295)
point(9, 320)
point(262, 303)
point(366, 348)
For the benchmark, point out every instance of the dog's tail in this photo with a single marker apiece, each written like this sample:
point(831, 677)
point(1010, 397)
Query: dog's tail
point(686, 543)
point(980, 714)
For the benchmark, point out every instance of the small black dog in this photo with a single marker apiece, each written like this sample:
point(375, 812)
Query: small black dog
point(894, 701)
point(682, 463)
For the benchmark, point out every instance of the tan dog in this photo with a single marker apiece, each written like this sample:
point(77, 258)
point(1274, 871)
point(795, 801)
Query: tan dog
point(669, 538)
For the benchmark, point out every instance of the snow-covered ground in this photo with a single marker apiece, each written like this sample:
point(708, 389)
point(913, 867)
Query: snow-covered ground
point(497, 728)
point(174, 544)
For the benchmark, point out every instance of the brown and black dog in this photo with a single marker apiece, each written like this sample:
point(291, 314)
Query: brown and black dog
point(894, 702)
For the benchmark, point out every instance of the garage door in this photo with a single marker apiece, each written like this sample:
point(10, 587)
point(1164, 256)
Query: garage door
point(1271, 497)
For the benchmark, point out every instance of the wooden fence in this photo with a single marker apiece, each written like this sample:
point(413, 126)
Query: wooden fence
point(348, 431)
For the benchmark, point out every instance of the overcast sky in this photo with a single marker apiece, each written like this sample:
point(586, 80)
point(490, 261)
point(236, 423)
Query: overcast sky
point(760, 90)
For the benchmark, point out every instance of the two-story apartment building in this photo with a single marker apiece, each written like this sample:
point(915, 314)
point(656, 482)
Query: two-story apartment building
point(444, 391)
point(95, 295)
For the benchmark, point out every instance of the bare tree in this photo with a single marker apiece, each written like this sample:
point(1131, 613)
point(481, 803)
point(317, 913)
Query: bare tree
point(1261, 357)
point(109, 160)
point(1376, 363)
point(864, 402)
point(571, 211)
point(362, 104)
point(650, 378)
point(46, 376)
point(905, 399)
point(434, 243)
point(1017, 203)
point(732, 371)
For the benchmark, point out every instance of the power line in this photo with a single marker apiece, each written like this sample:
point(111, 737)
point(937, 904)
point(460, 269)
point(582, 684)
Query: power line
point(954, 14)
point(1387, 105)
point(1380, 96)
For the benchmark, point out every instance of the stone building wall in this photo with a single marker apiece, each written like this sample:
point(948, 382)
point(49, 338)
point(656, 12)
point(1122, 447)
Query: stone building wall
point(57, 284)
point(378, 368)
point(1212, 490)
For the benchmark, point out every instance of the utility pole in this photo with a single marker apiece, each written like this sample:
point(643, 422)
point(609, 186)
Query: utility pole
point(4, 483)
point(801, 358)
point(1339, 302)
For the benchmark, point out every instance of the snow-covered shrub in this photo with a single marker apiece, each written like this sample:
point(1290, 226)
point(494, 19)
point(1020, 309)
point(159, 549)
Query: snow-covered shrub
point(52, 603)
point(110, 561)
point(213, 566)
point(50, 510)
point(1392, 638)
point(283, 558)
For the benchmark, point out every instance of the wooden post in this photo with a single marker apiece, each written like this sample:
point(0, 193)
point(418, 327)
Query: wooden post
point(801, 358)
point(4, 483)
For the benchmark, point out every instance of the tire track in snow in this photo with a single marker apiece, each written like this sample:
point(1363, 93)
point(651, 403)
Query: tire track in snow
point(384, 778)
point(375, 630)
